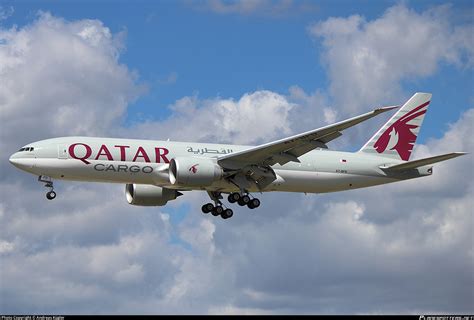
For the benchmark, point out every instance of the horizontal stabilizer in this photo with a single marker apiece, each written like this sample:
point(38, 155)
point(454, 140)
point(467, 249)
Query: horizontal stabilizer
point(423, 162)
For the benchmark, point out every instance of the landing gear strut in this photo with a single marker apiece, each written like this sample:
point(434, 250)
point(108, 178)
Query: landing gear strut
point(48, 183)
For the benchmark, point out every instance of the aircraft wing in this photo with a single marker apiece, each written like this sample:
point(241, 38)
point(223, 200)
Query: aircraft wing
point(289, 149)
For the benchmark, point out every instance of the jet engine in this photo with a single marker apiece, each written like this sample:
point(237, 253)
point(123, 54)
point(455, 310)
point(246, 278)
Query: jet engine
point(149, 195)
point(194, 172)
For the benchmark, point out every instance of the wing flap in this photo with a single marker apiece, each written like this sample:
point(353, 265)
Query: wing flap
point(330, 137)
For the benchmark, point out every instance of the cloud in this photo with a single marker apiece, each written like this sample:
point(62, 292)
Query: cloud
point(351, 253)
point(255, 117)
point(368, 60)
point(169, 79)
point(6, 13)
point(275, 8)
point(245, 6)
point(60, 78)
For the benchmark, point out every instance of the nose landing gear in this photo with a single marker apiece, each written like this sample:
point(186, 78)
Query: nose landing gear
point(48, 183)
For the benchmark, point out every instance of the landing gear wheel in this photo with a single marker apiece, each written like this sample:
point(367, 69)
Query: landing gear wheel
point(233, 197)
point(51, 195)
point(228, 213)
point(254, 203)
point(244, 200)
point(217, 211)
point(207, 207)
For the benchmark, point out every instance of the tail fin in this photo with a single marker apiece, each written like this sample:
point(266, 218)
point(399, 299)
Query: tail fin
point(398, 136)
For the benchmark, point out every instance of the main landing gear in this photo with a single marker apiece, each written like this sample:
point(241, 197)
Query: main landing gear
point(243, 200)
point(218, 209)
point(48, 183)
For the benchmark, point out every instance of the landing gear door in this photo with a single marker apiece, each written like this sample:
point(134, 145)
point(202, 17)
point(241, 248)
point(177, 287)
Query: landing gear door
point(62, 151)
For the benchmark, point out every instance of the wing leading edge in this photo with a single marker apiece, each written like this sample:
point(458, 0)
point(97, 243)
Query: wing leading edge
point(289, 149)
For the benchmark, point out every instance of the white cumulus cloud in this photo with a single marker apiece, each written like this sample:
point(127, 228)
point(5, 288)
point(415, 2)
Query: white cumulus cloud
point(61, 77)
point(367, 60)
point(255, 117)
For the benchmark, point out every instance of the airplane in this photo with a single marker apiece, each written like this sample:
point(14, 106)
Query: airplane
point(155, 172)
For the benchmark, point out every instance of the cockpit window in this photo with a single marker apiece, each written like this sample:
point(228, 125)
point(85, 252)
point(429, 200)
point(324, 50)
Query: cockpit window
point(26, 149)
point(22, 149)
point(31, 149)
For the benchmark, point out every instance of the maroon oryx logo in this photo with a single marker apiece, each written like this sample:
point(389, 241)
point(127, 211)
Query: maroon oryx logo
point(193, 168)
point(399, 135)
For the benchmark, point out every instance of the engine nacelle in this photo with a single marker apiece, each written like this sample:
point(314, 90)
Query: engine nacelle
point(194, 172)
point(149, 195)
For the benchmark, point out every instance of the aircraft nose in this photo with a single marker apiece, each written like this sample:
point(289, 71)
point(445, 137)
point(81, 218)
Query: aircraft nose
point(14, 159)
point(18, 162)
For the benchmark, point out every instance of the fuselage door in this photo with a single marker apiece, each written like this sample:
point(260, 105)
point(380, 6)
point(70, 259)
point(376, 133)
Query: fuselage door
point(62, 151)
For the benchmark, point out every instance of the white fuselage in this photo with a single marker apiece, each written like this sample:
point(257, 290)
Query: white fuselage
point(146, 162)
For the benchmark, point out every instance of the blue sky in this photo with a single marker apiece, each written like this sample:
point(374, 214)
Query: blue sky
point(243, 72)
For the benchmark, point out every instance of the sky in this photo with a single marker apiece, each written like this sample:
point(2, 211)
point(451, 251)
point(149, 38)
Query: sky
point(244, 72)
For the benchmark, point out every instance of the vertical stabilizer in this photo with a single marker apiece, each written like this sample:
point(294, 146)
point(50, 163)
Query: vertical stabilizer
point(398, 136)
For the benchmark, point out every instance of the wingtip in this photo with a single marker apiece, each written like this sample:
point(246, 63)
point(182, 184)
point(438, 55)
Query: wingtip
point(387, 108)
point(460, 153)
